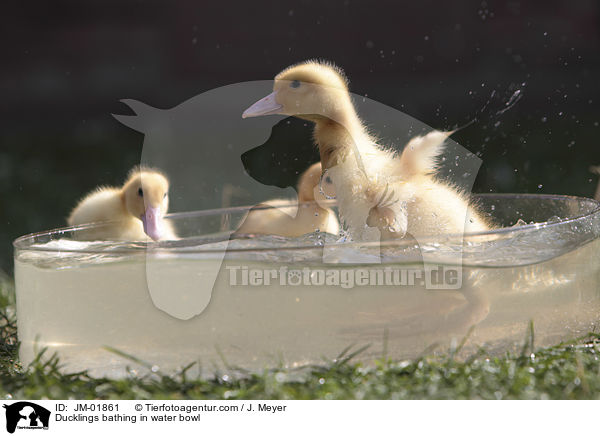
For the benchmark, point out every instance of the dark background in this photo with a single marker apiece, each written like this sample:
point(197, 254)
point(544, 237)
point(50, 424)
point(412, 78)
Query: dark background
point(66, 65)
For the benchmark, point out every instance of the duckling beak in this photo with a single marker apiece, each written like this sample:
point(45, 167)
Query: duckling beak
point(265, 106)
point(152, 220)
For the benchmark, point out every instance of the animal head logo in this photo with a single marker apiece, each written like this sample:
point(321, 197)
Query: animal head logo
point(26, 415)
point(213, 159)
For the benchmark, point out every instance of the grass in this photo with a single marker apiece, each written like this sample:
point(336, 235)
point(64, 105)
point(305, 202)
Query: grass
point(566, 371)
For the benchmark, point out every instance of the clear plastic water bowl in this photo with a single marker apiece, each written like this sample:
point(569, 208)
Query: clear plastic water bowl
point(257, 302)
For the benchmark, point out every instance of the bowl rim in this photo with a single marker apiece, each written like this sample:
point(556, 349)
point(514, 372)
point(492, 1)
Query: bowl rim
point(21, 243)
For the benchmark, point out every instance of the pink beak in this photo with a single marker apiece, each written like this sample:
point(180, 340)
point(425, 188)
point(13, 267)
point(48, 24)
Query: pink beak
point(153, 225)
point(265, 106)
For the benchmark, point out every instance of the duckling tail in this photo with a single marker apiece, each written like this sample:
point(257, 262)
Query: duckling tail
point(420, 155)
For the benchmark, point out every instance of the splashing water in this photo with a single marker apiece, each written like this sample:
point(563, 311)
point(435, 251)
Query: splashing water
point(513, 100)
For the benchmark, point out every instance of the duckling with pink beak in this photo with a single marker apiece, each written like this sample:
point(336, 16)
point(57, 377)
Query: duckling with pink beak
point(380, 193)
point(134, 212)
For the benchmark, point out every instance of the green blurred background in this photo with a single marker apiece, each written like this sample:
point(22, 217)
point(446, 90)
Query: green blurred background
point(67, 64)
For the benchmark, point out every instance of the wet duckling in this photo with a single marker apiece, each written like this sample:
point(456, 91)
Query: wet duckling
point(275, 217)
point(134, 211)
point(380, 194)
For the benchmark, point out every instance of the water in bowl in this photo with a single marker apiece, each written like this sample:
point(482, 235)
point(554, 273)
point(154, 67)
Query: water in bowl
point(294, 301)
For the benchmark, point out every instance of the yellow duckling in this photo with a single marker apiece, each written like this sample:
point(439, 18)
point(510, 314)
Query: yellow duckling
point(134, 211)
point(275, 217)
point(379, 193)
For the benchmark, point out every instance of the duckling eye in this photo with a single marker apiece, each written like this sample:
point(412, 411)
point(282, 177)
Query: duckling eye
point(140, 192)
point(295, 84)
point(165, 196)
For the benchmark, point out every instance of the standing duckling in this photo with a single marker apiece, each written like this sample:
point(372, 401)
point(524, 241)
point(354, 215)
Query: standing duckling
point(379, 194)
point(133, 212)
point(274, 217)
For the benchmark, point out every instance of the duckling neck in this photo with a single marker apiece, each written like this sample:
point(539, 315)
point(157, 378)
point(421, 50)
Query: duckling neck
point(336, 139)
point(123, 211)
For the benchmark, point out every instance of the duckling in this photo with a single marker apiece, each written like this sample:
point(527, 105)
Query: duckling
point(274, 217)
point(134, 211)
point(380, 194)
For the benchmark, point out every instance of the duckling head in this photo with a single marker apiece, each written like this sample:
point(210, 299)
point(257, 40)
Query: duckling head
point(312, 90)
point(146, 196)
point(315, 186)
